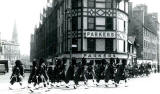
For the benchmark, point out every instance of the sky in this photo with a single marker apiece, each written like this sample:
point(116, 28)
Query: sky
point(26, 14)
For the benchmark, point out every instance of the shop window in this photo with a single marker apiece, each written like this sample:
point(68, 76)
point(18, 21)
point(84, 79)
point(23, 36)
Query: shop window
point(109, 45)
point(91, 45)
point(100, 44)
point(79, 44)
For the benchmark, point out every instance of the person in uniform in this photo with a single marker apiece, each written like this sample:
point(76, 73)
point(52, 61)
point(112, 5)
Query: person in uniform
point(33, 74)
point(17, 74)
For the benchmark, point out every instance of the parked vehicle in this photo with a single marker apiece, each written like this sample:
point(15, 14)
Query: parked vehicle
point(4, 66)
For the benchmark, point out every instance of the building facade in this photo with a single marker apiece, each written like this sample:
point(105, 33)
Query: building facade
point(10, 49)
point(145, 27)
point(93, 29)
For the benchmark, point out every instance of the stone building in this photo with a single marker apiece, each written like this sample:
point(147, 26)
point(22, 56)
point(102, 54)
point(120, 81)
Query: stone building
point(93, 29)
point(145, 27)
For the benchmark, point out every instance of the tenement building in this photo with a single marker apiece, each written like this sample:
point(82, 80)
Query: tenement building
point(93, 29)
point(145, 27)
point(10, 49)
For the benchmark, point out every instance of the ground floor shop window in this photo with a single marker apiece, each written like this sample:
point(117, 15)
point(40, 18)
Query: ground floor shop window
point(91, 45)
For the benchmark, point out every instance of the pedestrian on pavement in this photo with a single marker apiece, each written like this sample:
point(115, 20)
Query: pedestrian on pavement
point(17, 74)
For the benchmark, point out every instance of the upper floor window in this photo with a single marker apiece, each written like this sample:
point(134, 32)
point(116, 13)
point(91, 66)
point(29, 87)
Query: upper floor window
point(100, 23)
point(108, 3)
point(74, 23)
point(91, 3)
point(74, 3)
point(109, 23)
point(91, 23)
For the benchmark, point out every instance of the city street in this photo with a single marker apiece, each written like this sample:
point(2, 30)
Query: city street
point(144, 85)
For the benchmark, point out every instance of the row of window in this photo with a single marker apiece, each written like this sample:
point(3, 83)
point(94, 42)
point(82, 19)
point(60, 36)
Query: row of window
point(149, 56)
point(100, 23)
point(149, 45)
point(122, 5)
point(149, 34)
point(107, 45)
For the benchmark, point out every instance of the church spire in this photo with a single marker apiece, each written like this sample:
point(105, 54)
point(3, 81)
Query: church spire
point(15, 34)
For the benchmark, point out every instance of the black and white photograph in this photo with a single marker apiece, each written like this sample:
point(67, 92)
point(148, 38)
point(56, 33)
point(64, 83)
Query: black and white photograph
point(79, 47)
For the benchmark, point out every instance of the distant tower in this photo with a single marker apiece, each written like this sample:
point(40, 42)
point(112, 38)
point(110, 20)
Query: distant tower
point(15, 34)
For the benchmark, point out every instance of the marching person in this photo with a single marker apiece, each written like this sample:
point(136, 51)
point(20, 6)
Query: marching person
point(77, 74)
point(121, 73)
point(17, 73)
point(90, 70)
point(69, 74)
point(33, 74)
point(42, 72)
point(109, 72)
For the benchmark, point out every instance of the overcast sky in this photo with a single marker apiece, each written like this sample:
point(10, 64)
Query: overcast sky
point(26, 13)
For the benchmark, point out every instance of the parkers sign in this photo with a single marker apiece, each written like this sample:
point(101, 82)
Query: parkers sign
point(99, 34)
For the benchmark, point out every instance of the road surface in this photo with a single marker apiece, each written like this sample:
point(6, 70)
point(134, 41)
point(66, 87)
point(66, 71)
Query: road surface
point(143, 85)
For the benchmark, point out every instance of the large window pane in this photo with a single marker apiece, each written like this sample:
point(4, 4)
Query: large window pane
point(109, 23)
point(91, 3)
point(74, 3)
point(79, 44)
point(100, 5)
point(108, 5)
point(91, 45)
point(91, 23)
point(109, 45)
point(74, 23)
point(100, 44)
point(100, 21)
point(79, 22)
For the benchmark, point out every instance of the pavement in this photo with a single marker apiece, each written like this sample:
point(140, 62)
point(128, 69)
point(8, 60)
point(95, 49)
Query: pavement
point(142, 85)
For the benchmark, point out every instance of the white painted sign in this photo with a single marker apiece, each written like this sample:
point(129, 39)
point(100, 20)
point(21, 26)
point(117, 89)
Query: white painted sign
point(106, 34)
point(87, 55)
point(100, 34)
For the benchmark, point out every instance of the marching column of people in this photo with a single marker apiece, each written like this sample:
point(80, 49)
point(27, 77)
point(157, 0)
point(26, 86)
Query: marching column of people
point(75, 71)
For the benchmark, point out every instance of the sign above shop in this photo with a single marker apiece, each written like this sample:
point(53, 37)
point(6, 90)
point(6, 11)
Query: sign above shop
point(87, 55)
point(99, 34)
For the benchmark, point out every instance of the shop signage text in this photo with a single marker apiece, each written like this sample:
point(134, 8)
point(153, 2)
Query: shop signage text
point(99, 34)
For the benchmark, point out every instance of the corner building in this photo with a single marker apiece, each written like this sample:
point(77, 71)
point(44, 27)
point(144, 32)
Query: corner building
point(93, 29)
